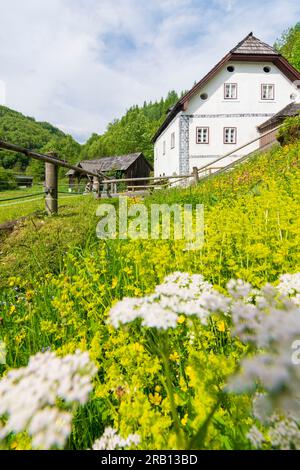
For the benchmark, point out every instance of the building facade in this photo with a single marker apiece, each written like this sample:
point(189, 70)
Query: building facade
point(223, 111)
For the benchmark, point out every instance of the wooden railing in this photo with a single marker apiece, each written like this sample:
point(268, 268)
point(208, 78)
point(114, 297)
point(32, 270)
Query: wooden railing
point(109, 185)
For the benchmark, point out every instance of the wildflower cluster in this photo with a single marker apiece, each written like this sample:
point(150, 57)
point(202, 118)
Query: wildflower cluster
point(289, 285)
point(270, 323)
point(268, 320)
point(111, 440)
point(29, 396)
point(180, 293)
point(283, 433)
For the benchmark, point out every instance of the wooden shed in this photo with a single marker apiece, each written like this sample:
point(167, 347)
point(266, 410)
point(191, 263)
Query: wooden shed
point(133, 165)
point(24, 181)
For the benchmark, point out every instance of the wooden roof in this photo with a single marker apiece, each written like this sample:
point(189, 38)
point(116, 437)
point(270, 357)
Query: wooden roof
point(292, 109)
point(252, 45)
point(250, 49)
point(105, 164)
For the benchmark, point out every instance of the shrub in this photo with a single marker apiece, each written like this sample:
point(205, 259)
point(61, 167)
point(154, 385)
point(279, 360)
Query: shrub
point(289, 133)
point(7, 180)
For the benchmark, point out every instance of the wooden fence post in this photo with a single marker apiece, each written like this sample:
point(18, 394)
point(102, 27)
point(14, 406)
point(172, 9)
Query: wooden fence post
point(51, 186)
point(196, 175)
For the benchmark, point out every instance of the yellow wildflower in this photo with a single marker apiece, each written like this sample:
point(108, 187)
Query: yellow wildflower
point(12, 309)
point(29, 295)
point(181, 319)
point(138, 347)
point(155, 399)
point(184, 420)
point(191, 375)
point(174, 356)
point(114, 283)
point(127, 270)
point(221, 326)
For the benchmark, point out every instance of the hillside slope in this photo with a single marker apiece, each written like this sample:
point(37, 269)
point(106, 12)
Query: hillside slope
point(59, 283)
point(252, 224)
point(40, 136)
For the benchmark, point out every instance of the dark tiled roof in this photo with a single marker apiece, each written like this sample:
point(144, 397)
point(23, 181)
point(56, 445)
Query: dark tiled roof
point(120, 162)
point(290, 110)
point(252, 45)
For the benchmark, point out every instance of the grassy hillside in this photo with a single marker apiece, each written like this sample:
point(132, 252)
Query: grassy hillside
point(40, 136)
point(251, 219)
point(59, 282)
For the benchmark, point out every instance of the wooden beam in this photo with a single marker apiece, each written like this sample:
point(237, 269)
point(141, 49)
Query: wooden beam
point(47, 159)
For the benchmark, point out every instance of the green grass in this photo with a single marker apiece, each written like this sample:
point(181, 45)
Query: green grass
point(59, 281)
point(13, 207)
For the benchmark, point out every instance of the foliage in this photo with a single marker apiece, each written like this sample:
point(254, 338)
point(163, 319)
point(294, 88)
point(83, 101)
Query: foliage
point(289, 132)
point(33, 135)
point(289, 45)
point(7, 180)
point(132, 133)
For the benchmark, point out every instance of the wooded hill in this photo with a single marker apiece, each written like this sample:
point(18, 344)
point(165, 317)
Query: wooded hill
point(39, 136)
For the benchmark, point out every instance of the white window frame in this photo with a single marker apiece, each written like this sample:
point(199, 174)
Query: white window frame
point(202, 135)
point(267, 91)
point(230, 91)
point(173, 140)
point(230, 135)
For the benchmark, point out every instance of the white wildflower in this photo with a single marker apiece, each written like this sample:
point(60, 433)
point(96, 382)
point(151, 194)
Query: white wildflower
point(255, 437)
point(239, 289)
point(125, 311)
point(110, 440)
point(28, 396)
point(285, 434)
point(271, 324)
point(154, 316)
point(50, 427)
point(180, 293)
point(283, 431)
point(289, 285)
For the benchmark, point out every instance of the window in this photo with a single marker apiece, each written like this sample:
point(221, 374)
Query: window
point(230, 68)
point(204, 96)
point(230, 135)
point(267, 92)
point(230, 91)
point(173, 140)
point(202, 135)
point(164, 147)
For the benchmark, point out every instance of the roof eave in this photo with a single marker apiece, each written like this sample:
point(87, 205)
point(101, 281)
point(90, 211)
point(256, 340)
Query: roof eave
point(177, 108)
point(283, 65)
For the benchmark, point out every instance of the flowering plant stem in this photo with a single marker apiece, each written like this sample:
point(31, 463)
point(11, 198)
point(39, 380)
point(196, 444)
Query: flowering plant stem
point(169, 389)
point(197, 440)
point(160, 344)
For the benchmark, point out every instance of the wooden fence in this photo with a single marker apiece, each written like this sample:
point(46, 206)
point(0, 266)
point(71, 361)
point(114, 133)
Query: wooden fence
point(109, 185)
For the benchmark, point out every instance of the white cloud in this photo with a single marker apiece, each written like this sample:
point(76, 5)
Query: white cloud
point(81, 63)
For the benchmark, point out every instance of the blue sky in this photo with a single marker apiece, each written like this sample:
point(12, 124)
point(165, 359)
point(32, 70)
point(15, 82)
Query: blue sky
point(81, 63)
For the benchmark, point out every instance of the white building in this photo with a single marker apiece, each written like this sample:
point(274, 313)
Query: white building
point(248, 86)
